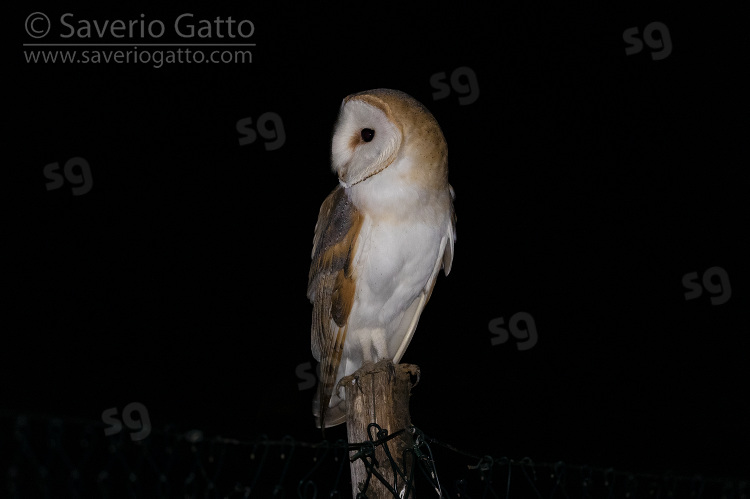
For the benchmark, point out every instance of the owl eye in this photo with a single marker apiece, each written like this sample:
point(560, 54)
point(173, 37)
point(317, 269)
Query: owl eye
point(367, 134)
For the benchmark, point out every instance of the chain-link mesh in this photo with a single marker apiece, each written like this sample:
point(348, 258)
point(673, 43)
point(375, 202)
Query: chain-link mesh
point(50, 457)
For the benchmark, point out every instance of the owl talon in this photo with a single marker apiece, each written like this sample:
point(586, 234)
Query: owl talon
point(391, 371)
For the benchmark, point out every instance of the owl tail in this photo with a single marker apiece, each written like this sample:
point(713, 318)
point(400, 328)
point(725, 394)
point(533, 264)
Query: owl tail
point(333, 414)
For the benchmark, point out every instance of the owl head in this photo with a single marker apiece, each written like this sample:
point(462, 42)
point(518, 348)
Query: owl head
point(377, 127)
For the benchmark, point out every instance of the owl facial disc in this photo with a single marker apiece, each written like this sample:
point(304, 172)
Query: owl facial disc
point(365, 140)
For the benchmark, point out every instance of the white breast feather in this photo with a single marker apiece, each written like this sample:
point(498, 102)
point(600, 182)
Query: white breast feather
point(400, 251)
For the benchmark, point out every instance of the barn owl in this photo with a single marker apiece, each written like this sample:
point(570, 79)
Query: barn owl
point(381, 238)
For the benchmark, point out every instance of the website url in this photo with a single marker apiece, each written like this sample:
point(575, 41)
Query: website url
point(156, 58)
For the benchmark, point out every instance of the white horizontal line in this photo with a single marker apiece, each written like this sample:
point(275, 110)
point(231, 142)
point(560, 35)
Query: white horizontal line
point(139, 45)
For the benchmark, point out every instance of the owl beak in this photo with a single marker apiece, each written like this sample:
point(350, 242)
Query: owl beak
point(343, 184)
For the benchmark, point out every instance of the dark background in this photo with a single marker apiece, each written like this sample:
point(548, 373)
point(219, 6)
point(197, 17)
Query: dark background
point(589, 183)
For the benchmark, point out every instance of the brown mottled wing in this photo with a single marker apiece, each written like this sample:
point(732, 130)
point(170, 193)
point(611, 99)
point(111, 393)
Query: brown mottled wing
point(331, 286)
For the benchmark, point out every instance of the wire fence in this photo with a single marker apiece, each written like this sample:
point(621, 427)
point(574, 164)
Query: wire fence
point(49, 457)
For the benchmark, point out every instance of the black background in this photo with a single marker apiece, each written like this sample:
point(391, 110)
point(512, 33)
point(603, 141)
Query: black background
point(588, 183)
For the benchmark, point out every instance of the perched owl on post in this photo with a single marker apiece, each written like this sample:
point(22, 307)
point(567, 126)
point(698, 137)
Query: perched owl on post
point(381, 238)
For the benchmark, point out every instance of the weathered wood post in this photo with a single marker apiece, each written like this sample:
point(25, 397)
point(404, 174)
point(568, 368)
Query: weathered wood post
point(379, 393)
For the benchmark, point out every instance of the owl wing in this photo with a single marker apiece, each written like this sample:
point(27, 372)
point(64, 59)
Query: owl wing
point(444, 260)
point(331, 286)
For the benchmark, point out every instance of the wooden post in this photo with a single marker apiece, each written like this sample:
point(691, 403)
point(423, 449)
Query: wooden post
point(379, 393)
